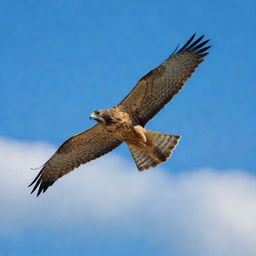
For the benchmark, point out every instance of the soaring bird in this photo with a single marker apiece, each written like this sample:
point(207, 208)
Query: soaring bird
point(126, 121)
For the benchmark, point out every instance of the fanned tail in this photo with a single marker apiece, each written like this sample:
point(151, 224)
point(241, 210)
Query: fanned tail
point(163, 146)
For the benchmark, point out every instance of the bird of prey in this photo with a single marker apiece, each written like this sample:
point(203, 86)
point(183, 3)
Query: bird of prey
point(126, 121)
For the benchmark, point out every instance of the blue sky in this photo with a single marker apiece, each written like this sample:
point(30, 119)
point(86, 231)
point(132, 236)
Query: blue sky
point(61, 60)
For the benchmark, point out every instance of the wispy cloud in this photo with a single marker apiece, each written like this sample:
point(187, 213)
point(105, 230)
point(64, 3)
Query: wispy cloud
point(201, 212)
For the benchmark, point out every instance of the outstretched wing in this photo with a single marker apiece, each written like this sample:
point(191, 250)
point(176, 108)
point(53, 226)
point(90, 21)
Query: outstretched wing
point(77, 150)
point(158, 87)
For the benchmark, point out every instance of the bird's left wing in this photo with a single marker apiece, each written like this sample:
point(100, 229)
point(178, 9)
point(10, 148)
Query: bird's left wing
point(158, 87)
point(77, 150)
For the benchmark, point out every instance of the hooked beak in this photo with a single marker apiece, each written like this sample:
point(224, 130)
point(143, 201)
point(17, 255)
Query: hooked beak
point(93, 116)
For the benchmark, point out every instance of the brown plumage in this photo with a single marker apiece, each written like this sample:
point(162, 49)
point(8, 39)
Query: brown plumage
point(126, 121)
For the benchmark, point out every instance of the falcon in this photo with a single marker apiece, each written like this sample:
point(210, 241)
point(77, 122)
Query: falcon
point(126, 121)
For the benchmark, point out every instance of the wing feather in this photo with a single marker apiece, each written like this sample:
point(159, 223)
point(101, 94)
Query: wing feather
point(158, 87)
point(77, 150)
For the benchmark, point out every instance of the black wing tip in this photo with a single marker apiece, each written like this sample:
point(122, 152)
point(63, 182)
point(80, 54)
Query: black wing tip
point(44, 185)
point(36, 178)
point(40, 184)
point(195, 45)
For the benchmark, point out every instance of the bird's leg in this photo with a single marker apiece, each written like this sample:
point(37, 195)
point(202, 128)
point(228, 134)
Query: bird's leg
point(140, 132)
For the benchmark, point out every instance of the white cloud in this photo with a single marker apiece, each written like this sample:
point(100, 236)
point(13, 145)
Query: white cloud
point(201, 212)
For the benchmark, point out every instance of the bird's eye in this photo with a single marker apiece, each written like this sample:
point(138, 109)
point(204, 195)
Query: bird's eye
point(96, 112)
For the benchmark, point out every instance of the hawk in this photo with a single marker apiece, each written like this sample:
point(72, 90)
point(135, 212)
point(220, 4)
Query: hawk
point(125, 122)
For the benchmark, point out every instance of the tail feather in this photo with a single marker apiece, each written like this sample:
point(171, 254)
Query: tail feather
point(143, 159)
point(163, 146)
point(166, 143)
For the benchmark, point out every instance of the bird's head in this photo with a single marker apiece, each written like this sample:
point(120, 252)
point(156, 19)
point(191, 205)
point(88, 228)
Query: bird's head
point(103, 116)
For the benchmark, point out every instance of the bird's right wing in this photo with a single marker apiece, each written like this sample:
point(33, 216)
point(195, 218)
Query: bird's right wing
point(77, 150)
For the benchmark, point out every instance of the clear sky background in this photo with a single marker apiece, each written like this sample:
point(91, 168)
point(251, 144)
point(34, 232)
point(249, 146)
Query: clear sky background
point(61, 60)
